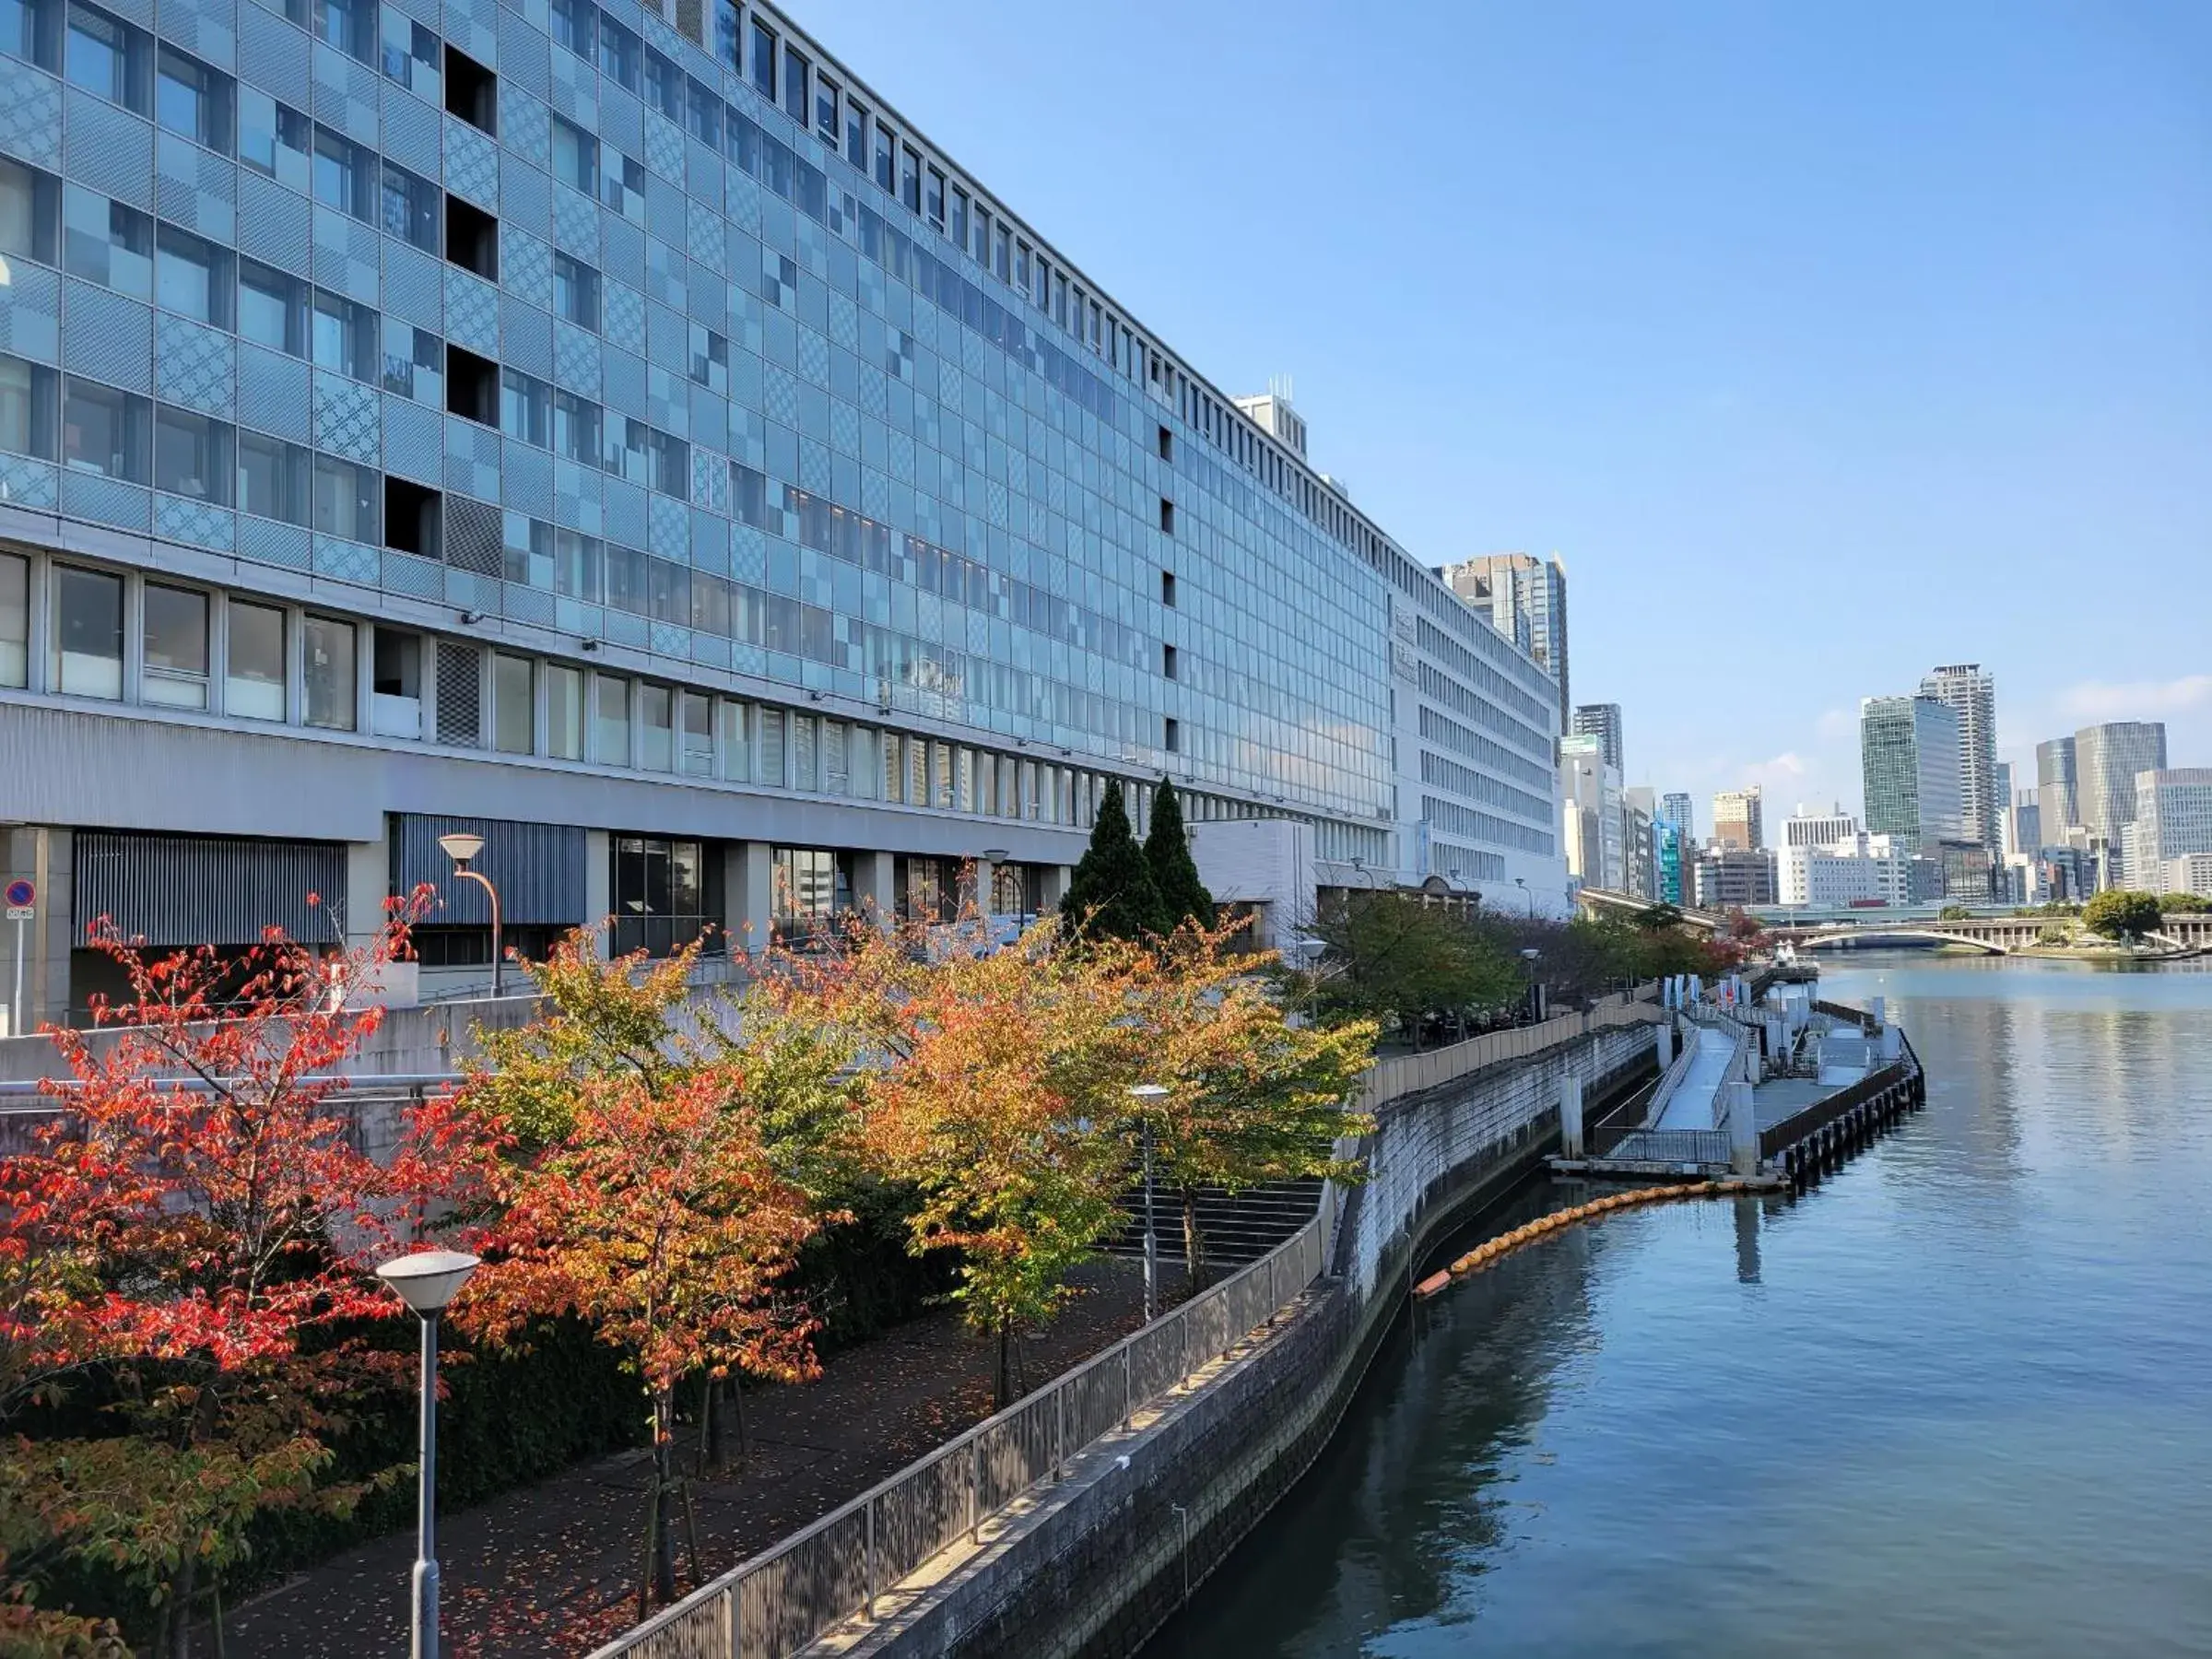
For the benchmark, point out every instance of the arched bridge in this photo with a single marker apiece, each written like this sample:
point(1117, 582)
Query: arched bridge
point(1874, 938)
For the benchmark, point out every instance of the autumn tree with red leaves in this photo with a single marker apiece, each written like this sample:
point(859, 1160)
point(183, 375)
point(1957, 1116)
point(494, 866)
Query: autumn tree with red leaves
point(195, 1232)
point(657, 1216)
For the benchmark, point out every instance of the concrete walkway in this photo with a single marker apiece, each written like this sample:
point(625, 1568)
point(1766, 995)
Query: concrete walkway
point(1692, 1105)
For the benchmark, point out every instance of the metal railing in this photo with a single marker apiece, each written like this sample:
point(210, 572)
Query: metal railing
point(790, 1594)
point(1671, 1147)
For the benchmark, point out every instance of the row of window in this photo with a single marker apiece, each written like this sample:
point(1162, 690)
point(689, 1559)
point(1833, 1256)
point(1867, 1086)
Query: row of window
point(110, 636)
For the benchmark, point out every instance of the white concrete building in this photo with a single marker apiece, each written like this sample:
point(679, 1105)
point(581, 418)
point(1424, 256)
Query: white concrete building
point(1590, 812)
point(1803, 829)
point(2174, 819)
point(1847, 871)
point(2191, 873)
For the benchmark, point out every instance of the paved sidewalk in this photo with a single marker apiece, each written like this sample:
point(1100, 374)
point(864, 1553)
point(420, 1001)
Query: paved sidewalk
point(552, 1570)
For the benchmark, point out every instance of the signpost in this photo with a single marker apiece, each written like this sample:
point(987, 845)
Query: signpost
point(22, 905)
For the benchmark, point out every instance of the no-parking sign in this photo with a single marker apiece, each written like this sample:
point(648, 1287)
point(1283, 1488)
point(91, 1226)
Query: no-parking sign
point(22, 900)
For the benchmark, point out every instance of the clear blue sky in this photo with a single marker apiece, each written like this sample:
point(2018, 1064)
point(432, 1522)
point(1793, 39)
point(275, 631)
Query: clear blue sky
point(1825, 343)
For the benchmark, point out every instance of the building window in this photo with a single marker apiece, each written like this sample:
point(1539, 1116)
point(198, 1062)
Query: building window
point(1167, 589)
point(812, 885)
point(254, 668)
point(697, 723)
point(342, 174)
point(15, 619)
point(512, 709)
point(106, 57)
point(192, 456)
point(193, 278)
point(1174, 743)
point(347, 501)
point(736, 742)
point(1167, 516)
point(272, 308)
point(472, 91)
point(620, 54)
point(659, 891)
point(1168, 662)
point(909, 178)
point(27, 400)
point(349, 25)
point(106, 242)
point(88, 633)
point(575, 25)
point(564, 712)
point(795, 87)
point(576, 291)
point(656, 723)
point(327, 661)
point(407, 207)
point(886, 146)
point(958, 227)
point(576, 157)
point(342, 336)
point(610, 720)
point(174, 656)
point(105, 431)
point(825, 109)
point(764, 60)
point(1167, 444)
point(192, 101)
point(728, 42)
point(272, 478)
point(933, 200)
point(274, 139)
point(29, 211)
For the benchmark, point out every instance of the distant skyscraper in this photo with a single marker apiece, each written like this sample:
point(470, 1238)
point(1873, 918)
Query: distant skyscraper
point(2173, 820)
point(1971, 694)
point(2054, 788)
point(1803, 829)
point(1676, 809)
point(2106, 760)
point(1909, 763)
point(1526, 599)
point(1736, 818)
point(1601, 720)
point(2028, 822)
point(1591, 822)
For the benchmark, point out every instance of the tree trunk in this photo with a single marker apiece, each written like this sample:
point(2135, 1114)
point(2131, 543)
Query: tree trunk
point(1194, 1243)
point(181, 1592)
point(1002, 1383)
point(745, 1433)
point(663, 1497)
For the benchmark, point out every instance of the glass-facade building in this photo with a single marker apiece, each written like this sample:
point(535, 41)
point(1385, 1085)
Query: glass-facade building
point(623, 432)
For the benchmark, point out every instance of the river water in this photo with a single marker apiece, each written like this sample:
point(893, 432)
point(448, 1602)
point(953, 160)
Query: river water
point(1957, 1400)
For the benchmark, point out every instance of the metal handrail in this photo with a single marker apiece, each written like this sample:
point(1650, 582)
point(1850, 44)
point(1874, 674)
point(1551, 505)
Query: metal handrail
point(866, 1546)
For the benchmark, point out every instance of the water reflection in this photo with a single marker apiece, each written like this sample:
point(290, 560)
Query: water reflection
point(1957, 1400)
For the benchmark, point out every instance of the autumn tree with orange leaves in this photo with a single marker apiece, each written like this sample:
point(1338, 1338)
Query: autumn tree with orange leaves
point(194, 1232)
point(996, 1082)
point(652, 1190)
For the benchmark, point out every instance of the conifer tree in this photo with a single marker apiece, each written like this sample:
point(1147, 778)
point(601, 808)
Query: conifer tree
point(1183, 896)
point(1112, 894)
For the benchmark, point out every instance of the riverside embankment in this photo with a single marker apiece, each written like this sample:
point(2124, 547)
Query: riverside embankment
point(1076, 1522)
point(1956, 1400)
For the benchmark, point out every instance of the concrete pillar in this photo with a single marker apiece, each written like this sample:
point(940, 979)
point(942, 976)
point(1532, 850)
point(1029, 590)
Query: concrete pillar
point(599, 887)
point(43, 856)
point(1663, 1044)
point(1891, 1043)
point(1571, 1116)
point(1875, 1007)
point(874, 893)
point(749, 895)
point(1052, 885)
point(1778, 1042)
point(1743, 1128)
point(367, 885)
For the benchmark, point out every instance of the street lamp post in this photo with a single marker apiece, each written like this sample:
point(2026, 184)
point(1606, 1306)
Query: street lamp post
point(425, 1282)
point(1146, 1094)
point(1527, 892)
point(462, 848)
